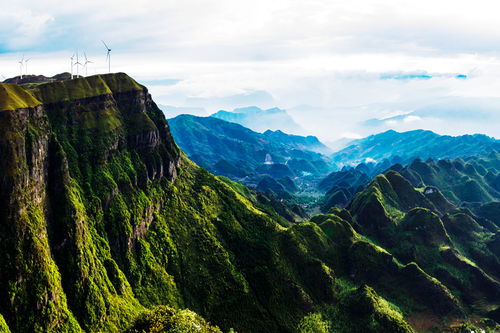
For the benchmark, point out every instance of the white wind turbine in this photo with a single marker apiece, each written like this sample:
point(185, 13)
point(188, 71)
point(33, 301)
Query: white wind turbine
point(87, 61)
point(108, 56)
point(71, 58)
point(21, 66)
point(26, 66)
point(77, 63)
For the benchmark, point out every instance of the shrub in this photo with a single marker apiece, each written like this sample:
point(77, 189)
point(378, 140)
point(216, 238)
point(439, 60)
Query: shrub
point(313, 323)
point(164, 319)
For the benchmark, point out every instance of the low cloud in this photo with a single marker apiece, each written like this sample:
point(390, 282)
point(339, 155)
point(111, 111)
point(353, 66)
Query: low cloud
point(348, 62)
point(411, 119)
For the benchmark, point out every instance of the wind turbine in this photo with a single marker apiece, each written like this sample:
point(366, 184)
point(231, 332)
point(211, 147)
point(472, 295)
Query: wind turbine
point(72, 57)
point(26, 65)
point(108, 56)
point(87, 61)
point(77, 63)
point(21, 66)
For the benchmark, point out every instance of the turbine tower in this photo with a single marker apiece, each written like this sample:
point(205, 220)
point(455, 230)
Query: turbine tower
point(26, 66)
point(87, 61)
point(21, 66)
point(77, 63)
point(71, 58)
point(108, 56)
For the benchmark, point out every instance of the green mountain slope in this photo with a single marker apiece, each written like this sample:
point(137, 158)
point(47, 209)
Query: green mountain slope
point(13, 97)
point(420, 225)
point(241, 154)
point(341, 186)
point(105, 225)
point(473, 180)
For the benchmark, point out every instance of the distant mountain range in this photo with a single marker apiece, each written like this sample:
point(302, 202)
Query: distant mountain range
point(412, 144)
point(452, 111)
point(260, 120)
point(239, 153)
point(268, 160)
point(37, 79)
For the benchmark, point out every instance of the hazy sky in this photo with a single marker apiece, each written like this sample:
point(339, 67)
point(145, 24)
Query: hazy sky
point(332, 64)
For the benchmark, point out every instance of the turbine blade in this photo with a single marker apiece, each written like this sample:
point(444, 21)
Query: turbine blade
point(105, 44)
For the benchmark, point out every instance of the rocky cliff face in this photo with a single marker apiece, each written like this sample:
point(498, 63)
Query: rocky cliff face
point(51, 154)
point(26, 261)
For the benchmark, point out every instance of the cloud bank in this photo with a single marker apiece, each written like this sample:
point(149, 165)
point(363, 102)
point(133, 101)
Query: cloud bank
point(335, 65)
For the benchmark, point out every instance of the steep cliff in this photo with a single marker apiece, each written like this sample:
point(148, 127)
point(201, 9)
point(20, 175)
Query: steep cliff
point(60, 145)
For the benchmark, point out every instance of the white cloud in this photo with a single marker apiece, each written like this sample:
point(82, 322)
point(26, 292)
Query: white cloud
point(22, 28)
point(410, 119)
point(321, 59)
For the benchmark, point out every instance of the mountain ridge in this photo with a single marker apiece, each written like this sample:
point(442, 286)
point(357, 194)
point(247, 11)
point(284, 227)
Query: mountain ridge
point(413, 144)
point(235, 151)
point(259, 119)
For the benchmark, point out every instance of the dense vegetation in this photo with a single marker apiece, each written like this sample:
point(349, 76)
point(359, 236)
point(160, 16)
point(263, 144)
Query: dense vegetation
point(164, 319)
point(450, 243)
point(13, 97)
point(473, 181)
point(463, 181)
point(105, 225)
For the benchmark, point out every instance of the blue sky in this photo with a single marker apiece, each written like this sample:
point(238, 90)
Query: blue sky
point(332, 64)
